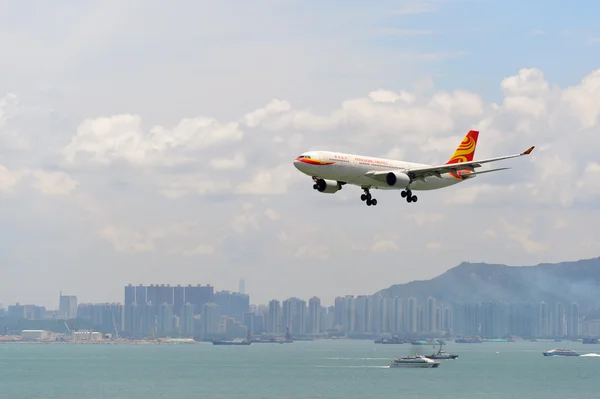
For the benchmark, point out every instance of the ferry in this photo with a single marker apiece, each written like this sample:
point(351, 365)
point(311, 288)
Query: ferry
point(414, 362)
point(560, 352)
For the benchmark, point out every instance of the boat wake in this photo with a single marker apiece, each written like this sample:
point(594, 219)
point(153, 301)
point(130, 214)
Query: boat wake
point(357, 358)
point(354, 367)
point(591, 355)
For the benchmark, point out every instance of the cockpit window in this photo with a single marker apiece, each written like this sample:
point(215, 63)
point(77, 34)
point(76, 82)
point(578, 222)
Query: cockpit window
point(304, 156)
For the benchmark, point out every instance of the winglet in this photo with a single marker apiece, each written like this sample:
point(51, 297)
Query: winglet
point(528, 151)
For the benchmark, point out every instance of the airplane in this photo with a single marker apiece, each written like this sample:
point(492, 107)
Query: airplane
point(330, 171)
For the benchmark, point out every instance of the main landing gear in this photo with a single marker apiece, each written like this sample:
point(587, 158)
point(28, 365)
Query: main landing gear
point(367, 198)
point(408, 195)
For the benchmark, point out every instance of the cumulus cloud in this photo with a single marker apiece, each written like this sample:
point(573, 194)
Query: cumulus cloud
point(8, 180)
point(227, 189)
point(122, 138)
point(53, 183)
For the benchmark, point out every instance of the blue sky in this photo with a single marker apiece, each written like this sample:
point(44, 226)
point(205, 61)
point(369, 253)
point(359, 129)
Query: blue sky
point(152, 142)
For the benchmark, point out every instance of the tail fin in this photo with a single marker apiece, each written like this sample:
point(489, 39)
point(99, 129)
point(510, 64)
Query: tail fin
point(466, 149)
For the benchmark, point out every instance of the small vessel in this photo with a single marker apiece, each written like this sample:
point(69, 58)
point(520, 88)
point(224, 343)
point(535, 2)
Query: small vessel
point(414, 362)
point(395, 340)
point(591, 341)
point(234, 342)
point(560, 352)
point(441, 355)
point(468, 341)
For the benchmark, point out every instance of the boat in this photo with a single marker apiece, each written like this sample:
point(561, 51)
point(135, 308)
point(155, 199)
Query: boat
point(414, 362)
point(560, 352)
point(234, 342)
point(591, 341)
point(441, 355)
point(390, 341)
point(468, 341)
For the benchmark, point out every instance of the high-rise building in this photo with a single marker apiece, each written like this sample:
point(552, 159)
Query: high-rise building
point(274, 317)
point(412, 315)
point(106, 317)
point(574, 321)
point(199, 295)
point(431, 314)
point(164, 294)
point(210, 318)
point(178, 299)
point(314, 316)
point(232, 304)
point(140, 295)
point(67, 306)
point(544, 321)
point(187, 320)
point(559, 320)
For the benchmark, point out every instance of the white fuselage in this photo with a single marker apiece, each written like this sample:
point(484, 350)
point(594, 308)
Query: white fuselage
point(352, 169)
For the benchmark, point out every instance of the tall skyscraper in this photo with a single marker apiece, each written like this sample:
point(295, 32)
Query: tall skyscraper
point(314, 315)
point(210, 318)
point(574, 321)
point(67, 306)
point(431, 314)
point(274, 317)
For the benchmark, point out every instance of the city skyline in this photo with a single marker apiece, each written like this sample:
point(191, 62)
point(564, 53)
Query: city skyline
point(146, 150)
point(200, 311)
point(458, 271)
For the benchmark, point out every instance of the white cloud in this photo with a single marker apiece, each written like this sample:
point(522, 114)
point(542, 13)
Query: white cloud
point(177, 238)
point(202, 249)
point(272, 215)
point(123, 138)
point(53, 183)
point(237, 162)
point(385, 245)
point(8, 180)
point(521, 235)
point(434, 245)
point(132, 182)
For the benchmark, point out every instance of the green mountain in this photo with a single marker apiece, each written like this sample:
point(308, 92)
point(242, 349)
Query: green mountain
point(564, 282)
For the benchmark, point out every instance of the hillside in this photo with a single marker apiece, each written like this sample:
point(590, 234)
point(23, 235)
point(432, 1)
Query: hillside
point(565, 282)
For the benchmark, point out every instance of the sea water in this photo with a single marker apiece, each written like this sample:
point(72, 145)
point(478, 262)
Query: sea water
point(300, 370)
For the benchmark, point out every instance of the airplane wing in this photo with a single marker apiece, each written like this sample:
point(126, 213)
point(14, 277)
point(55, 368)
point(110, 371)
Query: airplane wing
point(420, 173)
point(438, 170)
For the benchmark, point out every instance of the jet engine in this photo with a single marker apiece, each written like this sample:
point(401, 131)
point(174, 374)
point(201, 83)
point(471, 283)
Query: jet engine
point(327, 186)
point(397, 179)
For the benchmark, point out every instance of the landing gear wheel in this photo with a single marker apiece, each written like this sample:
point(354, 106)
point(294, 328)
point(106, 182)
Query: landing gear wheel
point(314, 186)
point(367, 198)
point(414, 198)
point(403, 194)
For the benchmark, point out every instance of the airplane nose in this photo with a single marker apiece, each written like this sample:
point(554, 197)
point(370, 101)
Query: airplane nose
point(297, 164)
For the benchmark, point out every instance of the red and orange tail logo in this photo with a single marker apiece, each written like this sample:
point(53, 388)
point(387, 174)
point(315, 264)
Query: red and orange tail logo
point(466, 150)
